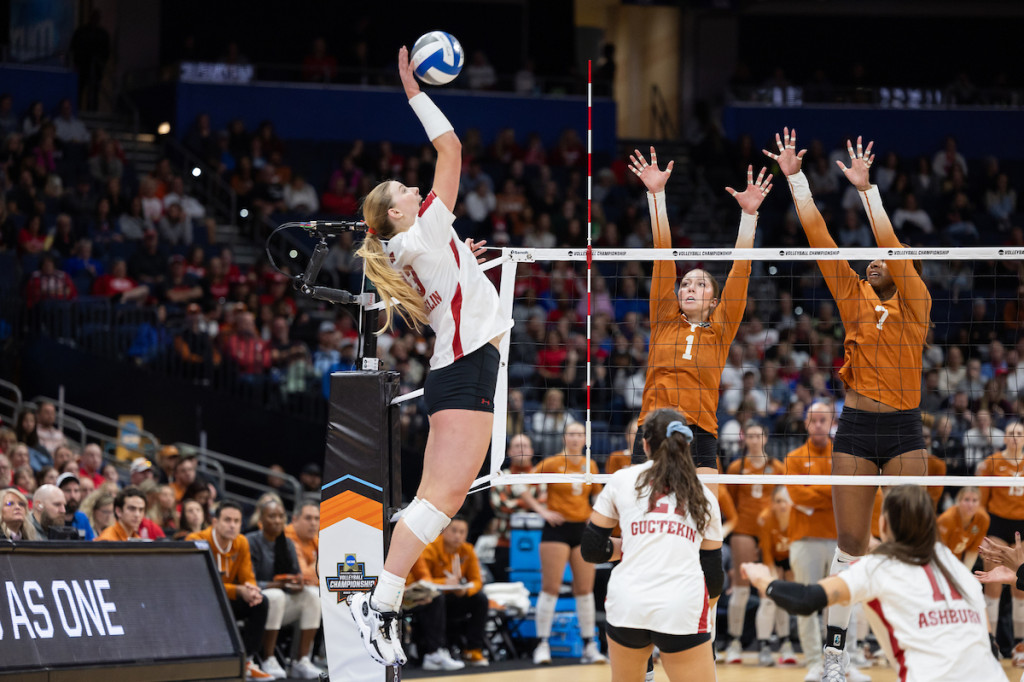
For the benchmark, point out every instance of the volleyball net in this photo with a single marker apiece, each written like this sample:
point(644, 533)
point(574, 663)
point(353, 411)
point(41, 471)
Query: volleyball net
point(582, 345)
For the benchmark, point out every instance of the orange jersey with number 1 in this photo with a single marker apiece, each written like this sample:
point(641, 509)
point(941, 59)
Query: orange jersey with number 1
point(685, 360)
point(884, 339)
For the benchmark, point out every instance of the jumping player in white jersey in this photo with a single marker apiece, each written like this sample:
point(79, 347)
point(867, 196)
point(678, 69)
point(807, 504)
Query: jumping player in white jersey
point(436, 279)
point(671, 551)
point(926, 607)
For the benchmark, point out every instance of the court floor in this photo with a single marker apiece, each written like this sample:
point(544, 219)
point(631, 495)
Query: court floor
point(726, 673)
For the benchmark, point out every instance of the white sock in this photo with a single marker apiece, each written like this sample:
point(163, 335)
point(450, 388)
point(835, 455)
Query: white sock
point(839, 615)
point(782, 623)
point(992, 611)
point(586, 614)
point(387, 595)
point(765, 619)
point(737, 609)
point(1018, 618)
point(545, 614)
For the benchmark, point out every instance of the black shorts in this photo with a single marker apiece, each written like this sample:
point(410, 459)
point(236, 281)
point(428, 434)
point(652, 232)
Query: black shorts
point(569, 533)
point(632, 638)
point(784, 565)
point(703, 449)
point(466, 384)
point(1004, 529)
point(878, 436)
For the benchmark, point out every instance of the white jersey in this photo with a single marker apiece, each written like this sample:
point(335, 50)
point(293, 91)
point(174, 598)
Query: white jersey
point(659, 585)
point(929, 629)
point(461, 302)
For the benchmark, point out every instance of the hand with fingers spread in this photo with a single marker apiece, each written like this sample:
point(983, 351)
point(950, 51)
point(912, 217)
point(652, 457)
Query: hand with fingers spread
point(477, 248)
point(788, 159)
point(750, 198)
point(860, 162)
point(412, 88)
point(654, 179)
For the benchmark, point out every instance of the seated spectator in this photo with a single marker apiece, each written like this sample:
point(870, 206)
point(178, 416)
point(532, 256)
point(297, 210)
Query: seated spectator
point(90, 464)
point(64, 237)
point(175, 227)
point(232, 556)
point(118, 286)
point(194, 518)
point(68, 127)
point(311, 478)
point(451, 561)
point(506, 500)
point(25, 479)
point(548, 423)
point(46, 431)
point(340, 198)
point(319, 66)
point(81, 262)
point(31, 238)
point(304, 532)
point(106, 165)
point(133, 224)
point(426, 604)
point(71, 488)
point(184, 475)
point(148, 265)
point(191, 206)
point(49, 284)
point(246, 349)
point(14, 524)
point(6, 472)
point(141, 470)
point(300, 197)
point(98, 507)
point(129, 510)
point(947, 158)
point(195, 347)
point(479, 72)
point(982, 440)
point(276, 567)
point(162, 510)
point(47, 516)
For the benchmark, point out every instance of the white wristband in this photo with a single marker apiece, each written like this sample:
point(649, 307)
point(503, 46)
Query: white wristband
point(434, 122)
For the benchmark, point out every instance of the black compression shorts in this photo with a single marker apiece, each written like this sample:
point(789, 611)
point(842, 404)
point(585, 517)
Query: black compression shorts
point(878, 436)
point(466, 384)
point(633, 638)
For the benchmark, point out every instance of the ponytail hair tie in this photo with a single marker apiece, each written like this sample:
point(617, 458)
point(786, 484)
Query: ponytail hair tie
point(370, 230)
point(679, 427)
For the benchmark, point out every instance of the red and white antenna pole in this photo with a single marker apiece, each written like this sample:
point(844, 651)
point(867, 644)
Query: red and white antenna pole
point(590, 252)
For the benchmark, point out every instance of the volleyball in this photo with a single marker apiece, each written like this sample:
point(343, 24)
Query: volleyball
point(437, 58)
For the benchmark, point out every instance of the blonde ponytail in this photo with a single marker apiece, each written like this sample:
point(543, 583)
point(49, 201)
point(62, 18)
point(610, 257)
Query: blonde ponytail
point(389, 282)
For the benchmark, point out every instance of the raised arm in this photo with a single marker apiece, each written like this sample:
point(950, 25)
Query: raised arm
point(904, 274)
point(838, 274)
point(664, 304)
point(448, 169)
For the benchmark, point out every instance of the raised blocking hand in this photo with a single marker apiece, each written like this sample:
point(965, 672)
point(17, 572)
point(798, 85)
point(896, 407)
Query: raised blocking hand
point(654, 178)
point(860, 162)
point(788, 158)
point(750, 198)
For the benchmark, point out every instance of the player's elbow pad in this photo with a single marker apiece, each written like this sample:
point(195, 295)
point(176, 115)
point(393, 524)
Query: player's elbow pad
point(714, 575)
point(796, 598)
point(596, 545)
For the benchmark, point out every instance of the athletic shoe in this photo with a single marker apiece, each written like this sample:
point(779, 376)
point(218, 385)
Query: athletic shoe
point(814, 673)
point(858, 659)
point(835, 664)
point(542, 654)
point(253, 672)
point(441, 660)
point(304, 669)
point(274, 669)
point(1018, 656)
point(475, 658)
point(592, 654)
point(378, 630)
point(649, 677)
point(853, 674)
point(764, 656)
point(734, 652)
point(786, 654)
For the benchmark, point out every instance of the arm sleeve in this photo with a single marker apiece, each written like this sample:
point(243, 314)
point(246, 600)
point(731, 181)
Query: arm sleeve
point(839, 276)
point(802, 600)
point(596, 544)
point(664, 303)
point(910, 285)
point(714, 575)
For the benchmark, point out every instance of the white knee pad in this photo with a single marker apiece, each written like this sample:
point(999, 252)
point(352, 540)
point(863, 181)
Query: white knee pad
point(424, 520)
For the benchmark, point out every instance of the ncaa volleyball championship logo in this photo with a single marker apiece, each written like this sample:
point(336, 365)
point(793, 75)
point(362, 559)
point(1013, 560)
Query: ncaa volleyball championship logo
point(437, 58)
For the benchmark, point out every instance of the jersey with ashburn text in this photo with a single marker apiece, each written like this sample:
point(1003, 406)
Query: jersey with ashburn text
point(1006, 502)
point(659, 584)
point(685, 360)
point(884, 339)
point(751, 500)
point(461, 302)
point(929, 630)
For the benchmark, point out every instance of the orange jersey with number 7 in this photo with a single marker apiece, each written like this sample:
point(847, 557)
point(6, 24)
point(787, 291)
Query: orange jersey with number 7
point(685, 360)
point(884, 339)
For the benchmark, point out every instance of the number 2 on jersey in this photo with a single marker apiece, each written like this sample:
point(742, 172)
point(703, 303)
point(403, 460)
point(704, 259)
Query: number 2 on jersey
point(885, 314)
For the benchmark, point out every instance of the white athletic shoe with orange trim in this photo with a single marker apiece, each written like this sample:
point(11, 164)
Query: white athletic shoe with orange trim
point(1018, 656)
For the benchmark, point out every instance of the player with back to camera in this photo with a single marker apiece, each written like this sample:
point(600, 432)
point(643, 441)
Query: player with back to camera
point(886, 317)
point(412, 254)
point(924, 604)
point(671, 557)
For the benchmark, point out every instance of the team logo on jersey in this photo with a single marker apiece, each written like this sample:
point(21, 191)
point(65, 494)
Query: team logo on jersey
point(351, 578)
